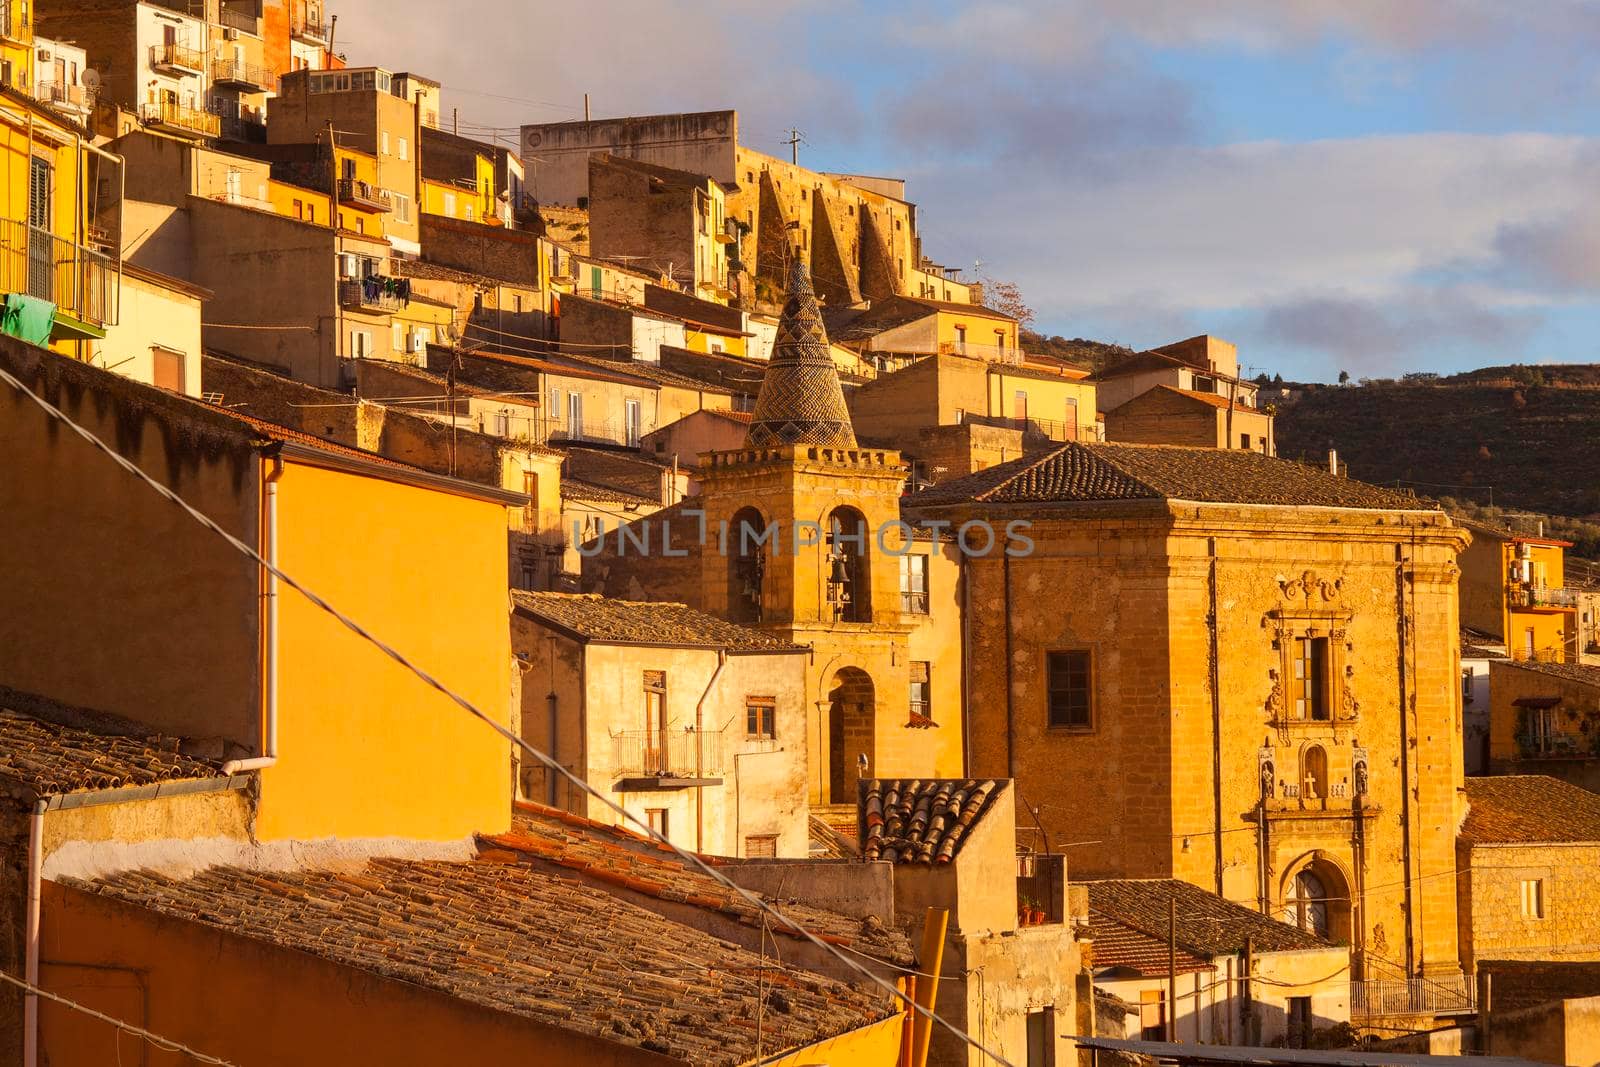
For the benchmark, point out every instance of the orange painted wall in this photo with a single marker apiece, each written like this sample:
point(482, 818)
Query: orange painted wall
point(256, 1004)
point(365, 748)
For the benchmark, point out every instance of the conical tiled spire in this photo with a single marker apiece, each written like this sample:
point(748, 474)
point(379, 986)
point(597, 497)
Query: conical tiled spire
point(801, 401)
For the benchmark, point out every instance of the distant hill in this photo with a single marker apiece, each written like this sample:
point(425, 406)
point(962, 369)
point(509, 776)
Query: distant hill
point(1079, 351)
point(1532, 434)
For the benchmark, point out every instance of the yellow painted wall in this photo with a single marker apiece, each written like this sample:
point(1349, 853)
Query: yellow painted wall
point(875, 1045)
point(702, 340)
point(365, 749)
point(366, 170)
point(314, 206)
point(981, 329)
point(1047, 399)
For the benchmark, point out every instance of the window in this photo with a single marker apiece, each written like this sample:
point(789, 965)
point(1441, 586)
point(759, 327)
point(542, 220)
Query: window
point(574, 414)
point(502, 424)
point(299, 210)
point(761, 847)
point(1533, 898)
point(1244, 441)
point(655, 722)
point(398, 339)
point(450, 204)
point(761, 718)
point(383, 142)
point(530, 510)
point(961, 339)
point(1466, 685)
point(555, 404)
point(360, 344)
point(1311, 678)
point(402, 207)
point(914, 584)
point(921, 691)
point(1068, 685)
point(168, 369)
point(632, 418)
point(469, 213)
point(657, 819)
point(405, 149)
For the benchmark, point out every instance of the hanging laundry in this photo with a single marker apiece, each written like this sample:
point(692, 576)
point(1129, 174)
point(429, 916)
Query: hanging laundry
point(28, 318)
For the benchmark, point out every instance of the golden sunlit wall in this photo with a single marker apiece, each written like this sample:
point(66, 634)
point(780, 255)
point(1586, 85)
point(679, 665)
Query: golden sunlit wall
point(297, 202)
point(365, 749)
point(360, 167)
point(16, 46)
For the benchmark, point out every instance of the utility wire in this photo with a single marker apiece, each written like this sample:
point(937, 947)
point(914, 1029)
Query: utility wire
point(549, 762)
point(166, 1044)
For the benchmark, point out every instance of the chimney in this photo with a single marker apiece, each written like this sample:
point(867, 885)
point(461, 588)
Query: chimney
point(1333, 462)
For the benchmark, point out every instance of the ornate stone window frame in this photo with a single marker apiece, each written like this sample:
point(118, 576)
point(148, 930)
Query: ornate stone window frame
point(1311, 608)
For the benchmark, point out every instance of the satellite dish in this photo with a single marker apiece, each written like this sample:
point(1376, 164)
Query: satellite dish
point(90, 78)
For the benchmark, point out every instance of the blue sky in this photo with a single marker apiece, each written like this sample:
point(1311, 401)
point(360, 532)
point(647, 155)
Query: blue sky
point(1375, 186)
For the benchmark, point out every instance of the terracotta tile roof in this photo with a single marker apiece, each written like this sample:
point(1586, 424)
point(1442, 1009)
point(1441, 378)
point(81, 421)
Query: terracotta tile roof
point(1208, 925)
point(572, 489)
point(1582, 673)
point(1039, 373)
point(606, 620)
point(501, 934)
point(49, 758)
point(272, 431)
point(621, 859)
point(646, 371)
point(1076, 473)
point(908, 820)
point(1529, 809)
point(1119, 945)
point(1141, 363)
point(1478, 645)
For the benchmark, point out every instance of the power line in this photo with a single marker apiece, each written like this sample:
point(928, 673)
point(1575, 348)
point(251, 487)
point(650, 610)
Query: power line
point(166, 1044)
point(549, 762)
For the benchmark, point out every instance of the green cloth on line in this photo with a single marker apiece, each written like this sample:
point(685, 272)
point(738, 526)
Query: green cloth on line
point(28, 318)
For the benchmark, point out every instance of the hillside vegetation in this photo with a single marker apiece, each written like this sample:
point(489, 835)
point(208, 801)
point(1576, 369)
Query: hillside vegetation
point(1523, 437)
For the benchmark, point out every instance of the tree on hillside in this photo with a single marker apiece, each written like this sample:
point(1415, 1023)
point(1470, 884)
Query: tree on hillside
point(1344, 377)
point(1006, 297)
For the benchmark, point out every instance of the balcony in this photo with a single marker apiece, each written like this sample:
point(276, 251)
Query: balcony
point(243, 21)
point(65, 97)
point(177, 59)
point(83, 284)
point(359, 194)
point(309, 30)
point(1395, 997)
point(13, 24)
point(179, 119)
point(1531, 596)
point(668, 759)
point(245, 77)
point(375, 293)
point(1047, 428)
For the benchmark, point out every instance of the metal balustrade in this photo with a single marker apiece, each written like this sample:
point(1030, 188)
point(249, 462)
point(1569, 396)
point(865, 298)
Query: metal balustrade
point(672, 753)
point(79, 280)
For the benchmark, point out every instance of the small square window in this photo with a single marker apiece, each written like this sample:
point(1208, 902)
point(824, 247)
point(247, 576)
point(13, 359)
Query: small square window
point(657, 820)
point(761, 718)
point(761, 847)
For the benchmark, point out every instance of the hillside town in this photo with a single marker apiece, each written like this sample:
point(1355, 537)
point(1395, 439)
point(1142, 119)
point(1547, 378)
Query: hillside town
point(615, 597)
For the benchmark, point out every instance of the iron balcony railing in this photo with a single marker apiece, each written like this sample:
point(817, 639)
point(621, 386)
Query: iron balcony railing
point(365, 295)
point(178, 57)
point(364, 195)
point(1055, 431)
point(1527, 596)
point(1376, 998)
point(611, 431)
point(667, 753)
point(62, 94)
point(235, 74)
point(78, 280)
point(179, 117)
point(309, 29)
point(235, 19)
point(11, 24)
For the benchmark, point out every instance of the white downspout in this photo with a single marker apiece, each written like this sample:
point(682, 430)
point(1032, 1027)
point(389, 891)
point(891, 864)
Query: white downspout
point(269, 673)
point(30, 967)
point(699, 751)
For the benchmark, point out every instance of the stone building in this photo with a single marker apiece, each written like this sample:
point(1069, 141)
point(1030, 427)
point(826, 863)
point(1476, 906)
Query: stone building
point(1526, 856)
point(1012, 966)
point(1229, 669)
point(798, 533)
point(1544, 718)
point(696, 725)
point(1243, 978)
point(1169, 416)
point(666, 221)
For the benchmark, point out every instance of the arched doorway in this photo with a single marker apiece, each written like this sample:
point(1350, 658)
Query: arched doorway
point(1316, 898)
point(851, 710)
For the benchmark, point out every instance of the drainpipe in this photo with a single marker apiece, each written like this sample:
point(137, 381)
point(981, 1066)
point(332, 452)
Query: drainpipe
point(1216, 721)
point(30, 972)
point(699, 752)
point(269, 672)
point(966, 665)
point(1011, 739)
